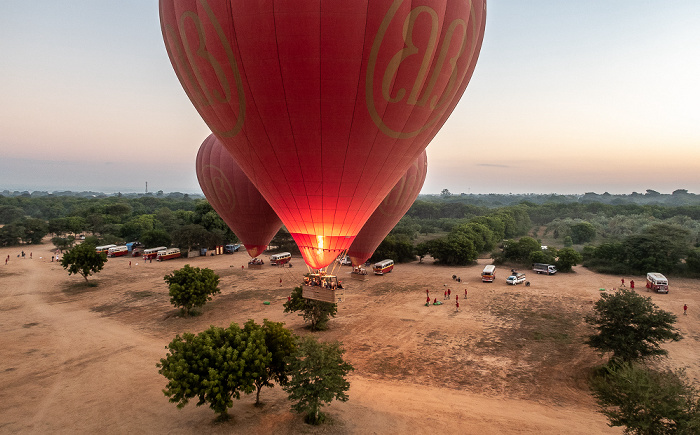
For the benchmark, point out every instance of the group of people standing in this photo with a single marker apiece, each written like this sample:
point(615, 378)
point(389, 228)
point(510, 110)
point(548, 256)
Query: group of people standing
point(447, 295)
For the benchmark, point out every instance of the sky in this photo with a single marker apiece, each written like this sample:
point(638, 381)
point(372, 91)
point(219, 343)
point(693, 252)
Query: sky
point(567, 97)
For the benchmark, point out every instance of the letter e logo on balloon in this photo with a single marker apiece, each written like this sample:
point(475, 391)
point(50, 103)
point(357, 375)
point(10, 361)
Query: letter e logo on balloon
point(419, 59)
point(206, 66)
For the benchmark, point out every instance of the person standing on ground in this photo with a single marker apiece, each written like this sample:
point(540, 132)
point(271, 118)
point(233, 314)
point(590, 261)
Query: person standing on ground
point(685, 309)
point(632, 284)
point(427, 302)
point(456, 305)
point(623, 283)
point(445, 297)
point(449, 292)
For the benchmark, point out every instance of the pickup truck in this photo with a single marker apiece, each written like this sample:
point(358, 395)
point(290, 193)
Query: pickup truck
point(544, 268)
point(516, 279)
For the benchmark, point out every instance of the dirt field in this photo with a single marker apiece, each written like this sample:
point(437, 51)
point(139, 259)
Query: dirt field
point(83, 359)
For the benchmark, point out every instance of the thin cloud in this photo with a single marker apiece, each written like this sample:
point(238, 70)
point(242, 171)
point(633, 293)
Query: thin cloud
point(492, 165)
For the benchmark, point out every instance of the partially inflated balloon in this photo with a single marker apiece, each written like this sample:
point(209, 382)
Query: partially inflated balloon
point(389, 212)
point(324, 104)
point(235, 198)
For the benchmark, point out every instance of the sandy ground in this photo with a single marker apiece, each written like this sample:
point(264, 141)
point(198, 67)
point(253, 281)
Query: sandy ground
point(511, 361)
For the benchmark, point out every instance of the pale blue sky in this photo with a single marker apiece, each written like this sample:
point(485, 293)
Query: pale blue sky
point(567, 97)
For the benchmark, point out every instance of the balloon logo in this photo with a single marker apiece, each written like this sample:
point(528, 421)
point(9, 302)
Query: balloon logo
point(324, 105)
point(235, 198)
point(389, 212)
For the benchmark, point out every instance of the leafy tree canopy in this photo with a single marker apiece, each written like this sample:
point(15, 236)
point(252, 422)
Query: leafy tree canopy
point(318, 377)
point(191, 287)
point(647, 402)
point(316, 312)
point(83, 260)
point(630, 326)
point(214, 366)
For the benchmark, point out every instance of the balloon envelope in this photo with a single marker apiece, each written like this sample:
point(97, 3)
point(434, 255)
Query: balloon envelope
point(389, 212)
point(235, 198)
point(324, 104)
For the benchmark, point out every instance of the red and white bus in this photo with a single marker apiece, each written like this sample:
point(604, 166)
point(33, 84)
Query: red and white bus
point(280, 259)
point(152, 252)
point(117, 251)
point(105, 248)
point(657, 282)
point(384, 266)
point(168, 254)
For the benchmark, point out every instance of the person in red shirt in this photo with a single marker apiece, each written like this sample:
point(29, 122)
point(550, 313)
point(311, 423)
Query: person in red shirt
point(427, 302)
point(632, 284)
point(457, 304)
point(685, 309)
point(449, 292)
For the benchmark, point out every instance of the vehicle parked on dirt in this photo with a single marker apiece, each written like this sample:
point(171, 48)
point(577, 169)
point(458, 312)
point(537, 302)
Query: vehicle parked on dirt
point(384, 266)
point(549, 269)
point(117, 251)
point(280, 259)
point(231, 248)
point(516, 278)
point(345, 261)
point(489, 273)
point(168, 254)
point(657, 282)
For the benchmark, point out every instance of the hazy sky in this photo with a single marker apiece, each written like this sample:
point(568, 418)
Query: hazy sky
point(567, 97)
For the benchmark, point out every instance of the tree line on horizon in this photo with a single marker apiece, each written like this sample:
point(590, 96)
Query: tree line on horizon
point(620, 238)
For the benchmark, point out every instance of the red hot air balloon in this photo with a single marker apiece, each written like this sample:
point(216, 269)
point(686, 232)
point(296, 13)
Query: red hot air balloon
point(235, 198)
point(389, 212)
point(324, 104)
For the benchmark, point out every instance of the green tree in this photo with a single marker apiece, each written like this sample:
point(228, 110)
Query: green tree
point(153, 238)
point(63, 243)
point(318, 377)
point(281, 344)
point(630, 326)
point(191, 287)
point(567, 258)
point(10, 213)
point(34, 230)
point(83, 260)
point(194, 236)
point(582, 232)
point(214, 366)
point(647, 402)
point(455, 249)
point(316, 312)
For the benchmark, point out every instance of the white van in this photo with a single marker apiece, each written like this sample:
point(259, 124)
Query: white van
point(281, 258)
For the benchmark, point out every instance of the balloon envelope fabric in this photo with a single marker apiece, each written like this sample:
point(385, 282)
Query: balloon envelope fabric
point(389, 212)
point(235, 198)
point(324, 104)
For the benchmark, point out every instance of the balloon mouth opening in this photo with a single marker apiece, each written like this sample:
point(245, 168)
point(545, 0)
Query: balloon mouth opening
point(255, 250)
point(318, 250)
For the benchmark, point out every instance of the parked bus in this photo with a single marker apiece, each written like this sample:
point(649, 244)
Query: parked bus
point(489, 273)
point(657, 282)
point(384, 266)
point(117, 251)
point(280, 259)
point(168, 254)
point(105, 248)
point(151, 253)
